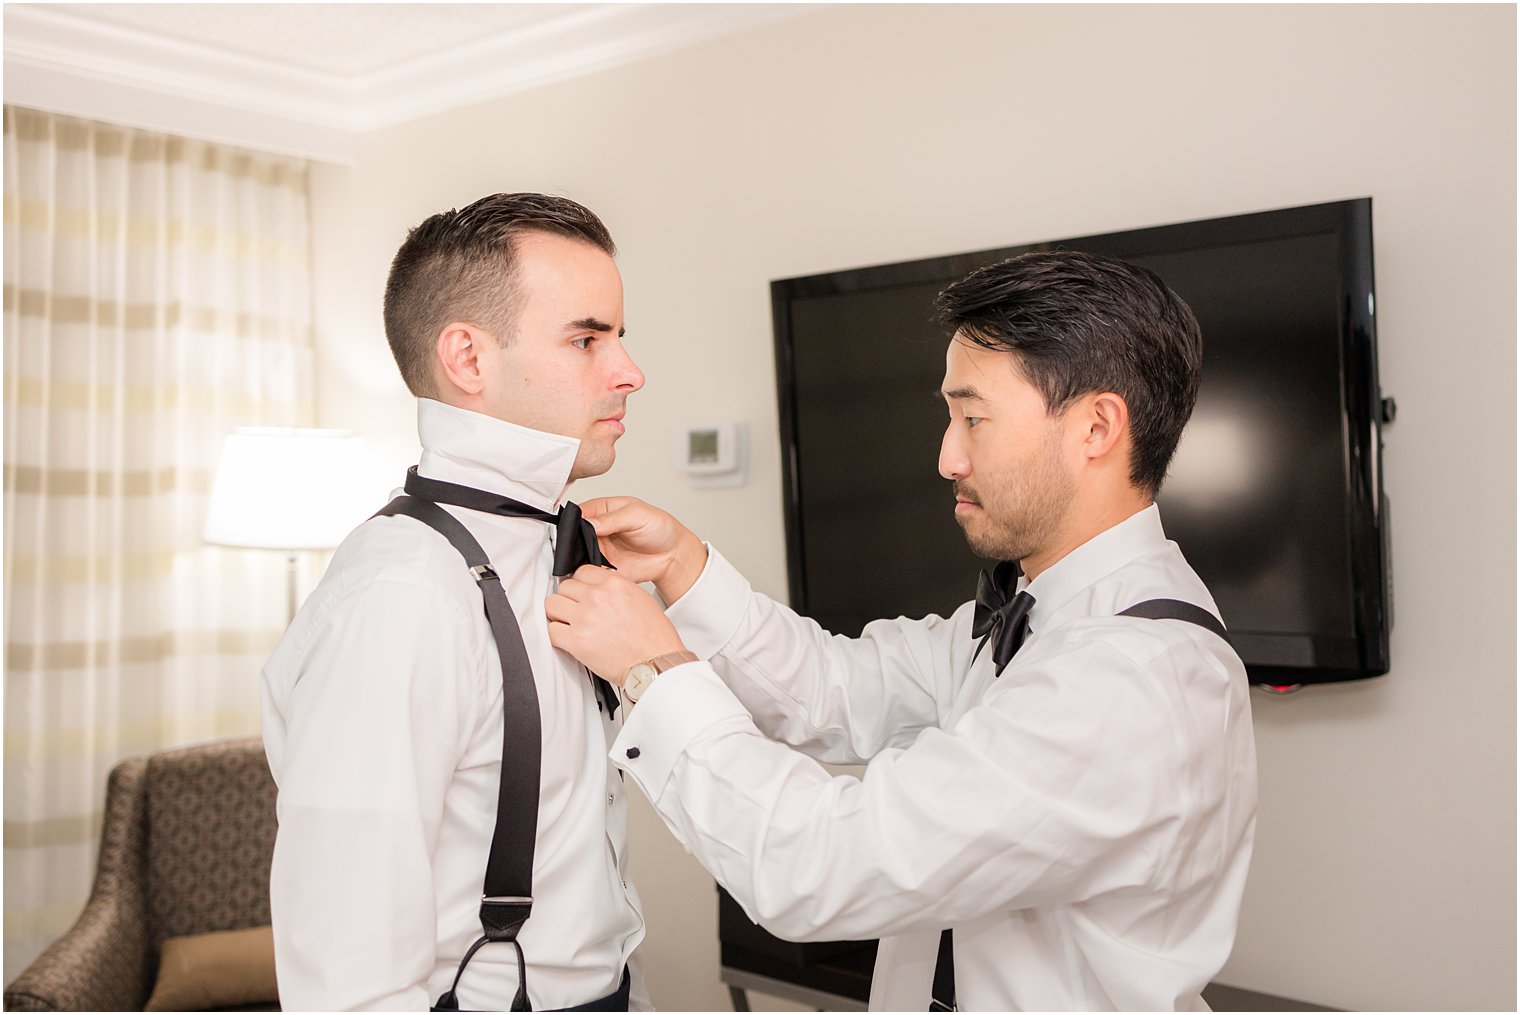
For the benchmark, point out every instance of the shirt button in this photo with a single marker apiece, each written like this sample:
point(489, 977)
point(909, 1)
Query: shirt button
point(625, 886)
point(633, 752)
point(609, 799)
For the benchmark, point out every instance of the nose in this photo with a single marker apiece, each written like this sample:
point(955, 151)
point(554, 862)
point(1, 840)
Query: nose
point(626, 375)
point(953, 463)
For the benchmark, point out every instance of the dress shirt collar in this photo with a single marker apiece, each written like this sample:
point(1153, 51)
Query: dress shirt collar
point(472, 449)
point(1137, 536)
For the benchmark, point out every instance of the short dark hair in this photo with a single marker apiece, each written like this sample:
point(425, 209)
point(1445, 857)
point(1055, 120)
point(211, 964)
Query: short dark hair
point(1079, 322)
point(459, 265)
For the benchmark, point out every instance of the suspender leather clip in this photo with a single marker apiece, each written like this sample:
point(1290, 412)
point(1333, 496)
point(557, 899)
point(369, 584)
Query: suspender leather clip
point(503, 915)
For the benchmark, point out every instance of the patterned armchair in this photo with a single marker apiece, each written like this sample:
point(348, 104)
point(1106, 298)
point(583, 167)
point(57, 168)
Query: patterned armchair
point(186, 849)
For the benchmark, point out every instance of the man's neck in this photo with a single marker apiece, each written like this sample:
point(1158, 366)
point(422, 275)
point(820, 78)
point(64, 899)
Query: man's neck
point(1083, 526)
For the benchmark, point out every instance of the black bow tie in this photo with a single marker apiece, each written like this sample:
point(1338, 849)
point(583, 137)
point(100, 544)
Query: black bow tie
point(1001, 617)
point(574, 541)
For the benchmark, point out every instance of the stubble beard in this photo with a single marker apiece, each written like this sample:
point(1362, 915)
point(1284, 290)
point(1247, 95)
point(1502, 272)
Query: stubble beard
point(1021, 509)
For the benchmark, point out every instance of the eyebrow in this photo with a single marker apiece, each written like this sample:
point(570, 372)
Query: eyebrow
point(963, 392)
point(592, 324)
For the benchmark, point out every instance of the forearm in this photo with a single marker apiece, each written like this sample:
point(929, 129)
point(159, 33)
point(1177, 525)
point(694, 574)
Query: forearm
point(787, 840)
point(957, 826)
point(839, 699)
point(1033, 798)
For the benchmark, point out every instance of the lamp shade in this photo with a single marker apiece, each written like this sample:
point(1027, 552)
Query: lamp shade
point(282, 488)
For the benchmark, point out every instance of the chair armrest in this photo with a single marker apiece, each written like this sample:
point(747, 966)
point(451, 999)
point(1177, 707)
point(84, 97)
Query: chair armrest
point(106, 961)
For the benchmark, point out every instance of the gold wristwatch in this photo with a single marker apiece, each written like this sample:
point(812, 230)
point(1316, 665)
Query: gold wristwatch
point(641, 675)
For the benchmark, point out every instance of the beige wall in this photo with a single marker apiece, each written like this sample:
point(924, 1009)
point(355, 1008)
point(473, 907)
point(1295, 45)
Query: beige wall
point(1385, 864)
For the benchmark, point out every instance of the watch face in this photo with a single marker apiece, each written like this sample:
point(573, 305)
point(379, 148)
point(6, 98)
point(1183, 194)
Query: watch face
point(639, 677)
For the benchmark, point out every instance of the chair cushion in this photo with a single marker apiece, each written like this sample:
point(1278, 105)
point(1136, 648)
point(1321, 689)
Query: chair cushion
point(223, 969)
point(211, 825)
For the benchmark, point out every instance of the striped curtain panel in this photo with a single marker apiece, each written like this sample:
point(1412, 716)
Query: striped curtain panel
point(156, 296)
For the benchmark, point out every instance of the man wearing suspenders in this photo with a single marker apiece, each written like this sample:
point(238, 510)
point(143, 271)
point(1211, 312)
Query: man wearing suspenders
point(451, 832)
point(1059, 797)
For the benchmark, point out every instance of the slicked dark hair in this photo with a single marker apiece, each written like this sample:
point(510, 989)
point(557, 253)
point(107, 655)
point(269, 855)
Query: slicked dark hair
point(460, 265)
point(1079, 323)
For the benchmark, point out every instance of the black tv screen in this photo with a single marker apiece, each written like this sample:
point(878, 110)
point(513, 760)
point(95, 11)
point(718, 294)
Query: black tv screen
point(1275, 495)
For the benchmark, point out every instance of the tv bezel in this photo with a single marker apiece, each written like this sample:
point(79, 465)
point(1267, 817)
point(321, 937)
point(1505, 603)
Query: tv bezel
point(1361, 398)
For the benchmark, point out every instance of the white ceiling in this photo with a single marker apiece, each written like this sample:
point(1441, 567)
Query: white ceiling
point(308, 78)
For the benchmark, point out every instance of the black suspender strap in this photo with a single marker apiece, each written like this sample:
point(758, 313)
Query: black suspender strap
point(1176, 609)
point(508, 899)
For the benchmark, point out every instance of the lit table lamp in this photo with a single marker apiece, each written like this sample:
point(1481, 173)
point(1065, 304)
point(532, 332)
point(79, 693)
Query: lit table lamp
point(290, 489)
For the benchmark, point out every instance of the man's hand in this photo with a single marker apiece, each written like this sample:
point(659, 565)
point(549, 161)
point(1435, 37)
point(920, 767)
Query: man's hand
point(647, 544)
point(608, 622)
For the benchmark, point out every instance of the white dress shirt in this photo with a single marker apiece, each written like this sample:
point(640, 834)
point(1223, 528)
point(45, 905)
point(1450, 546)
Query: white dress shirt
point(382, 722)
point(1084, 821)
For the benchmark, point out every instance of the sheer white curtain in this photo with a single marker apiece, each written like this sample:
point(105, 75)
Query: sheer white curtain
point(156, 295)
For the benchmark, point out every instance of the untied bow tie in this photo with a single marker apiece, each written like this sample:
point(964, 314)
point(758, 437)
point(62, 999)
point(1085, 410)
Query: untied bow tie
point(574, 539)
point(1001, 617)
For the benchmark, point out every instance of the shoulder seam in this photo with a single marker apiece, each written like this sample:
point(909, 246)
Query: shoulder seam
point(389, 575)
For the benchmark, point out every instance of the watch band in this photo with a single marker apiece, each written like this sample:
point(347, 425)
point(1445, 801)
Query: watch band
point(641, 675)
point(670, 660)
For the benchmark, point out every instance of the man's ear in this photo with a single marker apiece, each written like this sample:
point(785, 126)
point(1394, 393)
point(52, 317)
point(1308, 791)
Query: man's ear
point(458, 350)
point(1106, 417)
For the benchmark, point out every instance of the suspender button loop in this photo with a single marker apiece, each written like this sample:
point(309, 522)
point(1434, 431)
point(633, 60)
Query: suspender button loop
point(502, 916)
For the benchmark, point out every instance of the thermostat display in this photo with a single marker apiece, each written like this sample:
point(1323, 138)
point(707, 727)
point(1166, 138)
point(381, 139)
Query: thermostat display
point(703, 447)
point(713, 454)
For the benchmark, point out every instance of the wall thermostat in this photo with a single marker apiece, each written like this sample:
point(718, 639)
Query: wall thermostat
point(713, 454)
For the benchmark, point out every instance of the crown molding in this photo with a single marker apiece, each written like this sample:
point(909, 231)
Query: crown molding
point(582, 41)
point(91, 98)
point(47, 38)
point(79, 66)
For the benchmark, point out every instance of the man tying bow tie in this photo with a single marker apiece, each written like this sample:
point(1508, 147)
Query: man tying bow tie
point(1059, 797)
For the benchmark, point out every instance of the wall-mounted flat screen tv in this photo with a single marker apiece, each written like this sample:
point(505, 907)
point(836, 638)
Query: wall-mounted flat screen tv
point(1275, 495)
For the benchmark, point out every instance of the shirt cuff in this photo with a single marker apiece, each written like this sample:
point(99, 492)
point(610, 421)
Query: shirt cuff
point(708, 615)
point(682, 703)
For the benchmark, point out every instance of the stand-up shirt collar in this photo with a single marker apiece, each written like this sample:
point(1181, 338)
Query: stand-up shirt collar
point(472, 449)
point(1137, 536)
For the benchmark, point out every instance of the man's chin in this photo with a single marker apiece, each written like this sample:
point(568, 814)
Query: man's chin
point(594, 463)
point(973, 534)
point(986, 551)
point(984, 545)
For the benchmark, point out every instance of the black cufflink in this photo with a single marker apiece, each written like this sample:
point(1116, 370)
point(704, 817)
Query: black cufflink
point(633, 752)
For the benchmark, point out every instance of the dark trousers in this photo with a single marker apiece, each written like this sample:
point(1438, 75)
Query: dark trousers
point(615, 1001)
